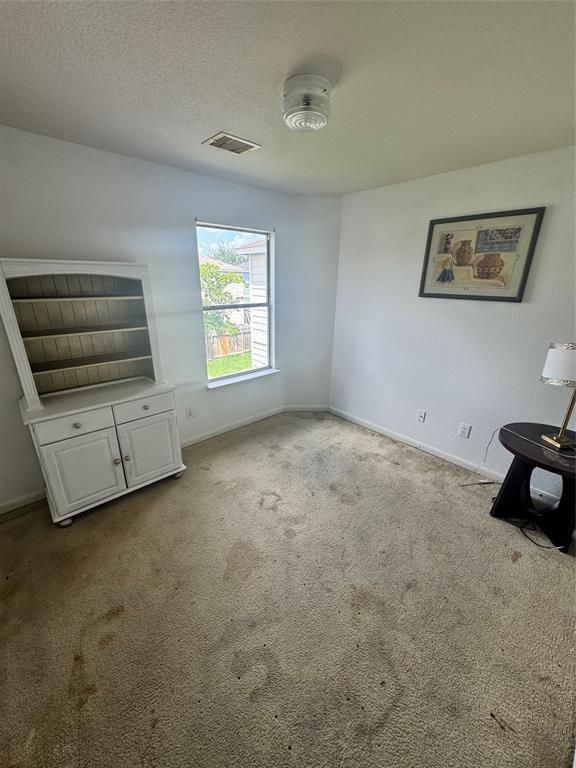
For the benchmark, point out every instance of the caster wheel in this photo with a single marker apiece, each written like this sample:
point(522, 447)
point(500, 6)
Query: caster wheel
point(66, 523)
point(178, 475)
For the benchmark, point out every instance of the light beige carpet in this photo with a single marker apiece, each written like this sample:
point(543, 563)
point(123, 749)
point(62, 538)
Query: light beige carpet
point(309, 594)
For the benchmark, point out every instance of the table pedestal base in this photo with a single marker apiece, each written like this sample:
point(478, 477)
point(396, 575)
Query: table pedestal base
point(515, 501)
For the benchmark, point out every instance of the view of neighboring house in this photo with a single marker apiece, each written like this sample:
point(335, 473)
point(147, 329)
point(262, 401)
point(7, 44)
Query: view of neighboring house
point(257, 256)
point(239, 291)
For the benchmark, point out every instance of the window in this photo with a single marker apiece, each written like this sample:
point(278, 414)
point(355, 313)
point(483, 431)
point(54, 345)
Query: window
point(235, 285)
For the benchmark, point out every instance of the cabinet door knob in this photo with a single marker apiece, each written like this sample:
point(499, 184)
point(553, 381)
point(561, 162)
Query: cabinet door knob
point(126, 458)
point(146, 407)
point(117, 461)
point(76, 425)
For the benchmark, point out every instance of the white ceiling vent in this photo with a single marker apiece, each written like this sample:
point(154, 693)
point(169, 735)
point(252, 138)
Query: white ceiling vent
point(231, 143)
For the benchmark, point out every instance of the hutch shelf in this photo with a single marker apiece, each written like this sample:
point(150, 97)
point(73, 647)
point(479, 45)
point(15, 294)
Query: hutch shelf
point(84, 342)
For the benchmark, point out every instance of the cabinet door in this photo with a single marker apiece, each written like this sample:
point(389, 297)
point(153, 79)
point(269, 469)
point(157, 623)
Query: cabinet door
point(83, 470)
point(150, 447)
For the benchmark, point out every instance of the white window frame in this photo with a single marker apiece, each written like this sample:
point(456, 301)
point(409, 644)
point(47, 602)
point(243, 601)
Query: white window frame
point(269, 304)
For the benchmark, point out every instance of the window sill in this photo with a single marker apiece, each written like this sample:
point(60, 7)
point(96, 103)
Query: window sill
point(217, 383)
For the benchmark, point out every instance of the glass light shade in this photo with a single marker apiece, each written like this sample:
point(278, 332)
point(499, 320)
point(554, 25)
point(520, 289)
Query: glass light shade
point(307, 102)
point(560, 365)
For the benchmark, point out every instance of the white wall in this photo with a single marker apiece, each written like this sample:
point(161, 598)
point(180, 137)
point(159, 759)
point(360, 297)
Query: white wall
point(310, 298)
point(472, 361)
point(66, 201)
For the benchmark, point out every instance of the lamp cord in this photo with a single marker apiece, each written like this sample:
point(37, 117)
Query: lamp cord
point(477, 467)
point(524, 525)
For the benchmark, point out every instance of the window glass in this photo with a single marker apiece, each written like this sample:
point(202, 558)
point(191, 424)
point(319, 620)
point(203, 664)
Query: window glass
point(234, 281)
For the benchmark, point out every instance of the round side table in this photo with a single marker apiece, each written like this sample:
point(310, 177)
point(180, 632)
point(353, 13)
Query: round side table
point(514, 500)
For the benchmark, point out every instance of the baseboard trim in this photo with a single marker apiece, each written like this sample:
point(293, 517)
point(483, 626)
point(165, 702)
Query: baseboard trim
point(22, 501)
point(230, 427)
point(483, 471)
point(296, 408)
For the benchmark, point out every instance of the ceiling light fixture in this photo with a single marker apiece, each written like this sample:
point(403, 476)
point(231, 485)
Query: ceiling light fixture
point(307, 102)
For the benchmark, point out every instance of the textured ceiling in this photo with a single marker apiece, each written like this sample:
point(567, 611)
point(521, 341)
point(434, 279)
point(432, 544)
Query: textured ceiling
point(421, 87)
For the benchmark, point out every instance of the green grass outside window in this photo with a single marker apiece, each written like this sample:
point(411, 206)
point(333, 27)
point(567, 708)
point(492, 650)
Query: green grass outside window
point(226, 366)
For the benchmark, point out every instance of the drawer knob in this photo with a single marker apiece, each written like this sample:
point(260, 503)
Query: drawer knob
point(146, 407)
point(127, 458)
point(76, 425)
point(117, 461)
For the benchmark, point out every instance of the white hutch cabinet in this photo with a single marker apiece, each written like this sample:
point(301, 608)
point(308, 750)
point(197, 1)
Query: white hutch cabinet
point(83, 338)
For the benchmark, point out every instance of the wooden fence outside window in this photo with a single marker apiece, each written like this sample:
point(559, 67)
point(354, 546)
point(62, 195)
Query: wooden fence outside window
point(227, 344)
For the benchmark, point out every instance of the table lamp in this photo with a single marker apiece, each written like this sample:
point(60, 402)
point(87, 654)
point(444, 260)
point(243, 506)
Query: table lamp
point(560, 369)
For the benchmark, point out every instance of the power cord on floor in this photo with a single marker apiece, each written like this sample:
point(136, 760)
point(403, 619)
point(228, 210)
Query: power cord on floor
point(477, 467)
point(524, 525)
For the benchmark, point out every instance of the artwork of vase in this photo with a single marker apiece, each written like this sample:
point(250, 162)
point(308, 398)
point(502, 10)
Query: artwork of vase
point(464, 253)
point(484, 256)
point(489, 266)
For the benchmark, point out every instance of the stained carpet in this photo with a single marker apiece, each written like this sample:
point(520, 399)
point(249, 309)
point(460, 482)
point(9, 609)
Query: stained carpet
point(309, 594)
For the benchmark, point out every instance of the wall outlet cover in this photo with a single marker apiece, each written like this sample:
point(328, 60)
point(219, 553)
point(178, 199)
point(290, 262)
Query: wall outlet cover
point(190, 413)
point(464, 430)
point(421, 416)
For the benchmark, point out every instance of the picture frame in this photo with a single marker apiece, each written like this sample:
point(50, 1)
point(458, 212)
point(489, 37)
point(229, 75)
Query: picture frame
point(485, 256)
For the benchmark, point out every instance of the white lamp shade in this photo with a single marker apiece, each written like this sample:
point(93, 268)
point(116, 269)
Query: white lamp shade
point(560, 365)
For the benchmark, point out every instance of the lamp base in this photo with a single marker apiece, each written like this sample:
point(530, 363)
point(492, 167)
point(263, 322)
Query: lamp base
point(560, 442)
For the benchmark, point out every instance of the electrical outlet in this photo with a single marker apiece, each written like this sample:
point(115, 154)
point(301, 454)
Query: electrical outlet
point(189, 412)
point(464, 430)
point(421, 416)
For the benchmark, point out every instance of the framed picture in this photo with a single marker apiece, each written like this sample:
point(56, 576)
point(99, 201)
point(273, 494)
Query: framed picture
point(486, 256)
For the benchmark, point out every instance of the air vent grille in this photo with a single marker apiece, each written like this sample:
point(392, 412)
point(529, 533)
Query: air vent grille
point(231, 143)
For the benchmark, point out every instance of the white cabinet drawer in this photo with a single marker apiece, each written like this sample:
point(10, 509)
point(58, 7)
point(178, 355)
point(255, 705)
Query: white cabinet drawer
point(74, 425)
point(146, 406)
